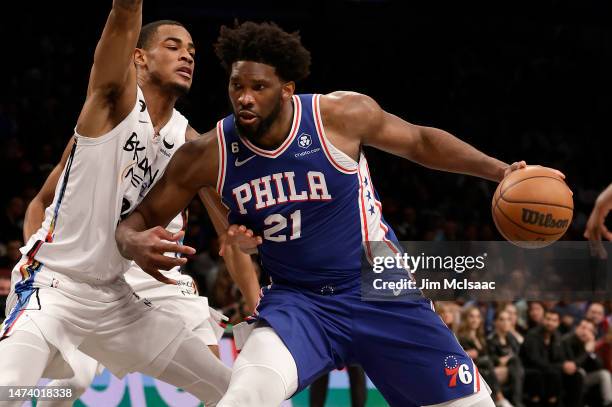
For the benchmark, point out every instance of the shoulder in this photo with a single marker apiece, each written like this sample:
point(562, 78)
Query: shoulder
point(351, 112)
point(348, 104)
point(197, 143)
point(198, 158)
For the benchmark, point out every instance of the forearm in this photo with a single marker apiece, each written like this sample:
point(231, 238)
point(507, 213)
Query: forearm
point(240, 267)
point(126, 230)
point(441, 150)
point(34, 217)
point(604, 200)
point(132, 5)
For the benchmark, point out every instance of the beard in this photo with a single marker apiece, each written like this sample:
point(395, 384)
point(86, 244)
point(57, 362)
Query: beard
point(254, 133)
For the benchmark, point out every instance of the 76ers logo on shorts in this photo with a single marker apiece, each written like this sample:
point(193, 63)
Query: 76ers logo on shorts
point(455, 371)
point(304, 140)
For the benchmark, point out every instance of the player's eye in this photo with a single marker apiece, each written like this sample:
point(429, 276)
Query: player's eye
point(259, 87)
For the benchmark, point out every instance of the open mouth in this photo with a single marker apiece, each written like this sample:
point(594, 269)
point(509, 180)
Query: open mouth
point(247, 117)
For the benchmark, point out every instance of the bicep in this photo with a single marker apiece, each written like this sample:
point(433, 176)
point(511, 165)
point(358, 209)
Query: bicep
point(360, 118)
point(394, 135)
point(189, 170)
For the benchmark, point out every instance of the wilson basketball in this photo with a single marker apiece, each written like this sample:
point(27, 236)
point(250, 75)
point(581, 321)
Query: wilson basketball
point(532, 207)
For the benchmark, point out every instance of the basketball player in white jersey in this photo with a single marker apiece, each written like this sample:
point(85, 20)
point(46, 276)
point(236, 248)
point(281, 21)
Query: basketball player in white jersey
point(68, 290)
point(181, 299)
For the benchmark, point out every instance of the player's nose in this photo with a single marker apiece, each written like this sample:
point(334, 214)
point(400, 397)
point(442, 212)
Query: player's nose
point(246, 98)
point(186, 56)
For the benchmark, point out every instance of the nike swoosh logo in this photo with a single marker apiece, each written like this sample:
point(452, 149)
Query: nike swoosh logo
point(142, 121)
point(238, 163)
point(167, 145)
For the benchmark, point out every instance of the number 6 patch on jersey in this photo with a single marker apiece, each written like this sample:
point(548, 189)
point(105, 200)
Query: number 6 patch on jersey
point(461, 373)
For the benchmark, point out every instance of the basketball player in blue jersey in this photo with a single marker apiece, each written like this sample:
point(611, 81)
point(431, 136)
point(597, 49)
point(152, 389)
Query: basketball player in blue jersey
point(292, 168)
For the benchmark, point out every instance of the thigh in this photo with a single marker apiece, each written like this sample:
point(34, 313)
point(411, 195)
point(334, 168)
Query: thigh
point(132, 335)
point(411, 356)
point(25, 355)
point(313, 329)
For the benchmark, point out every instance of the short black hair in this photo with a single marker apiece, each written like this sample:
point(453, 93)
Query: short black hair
point(265, 43)
point(149, 30)
point(553, 311)
point(581, 320)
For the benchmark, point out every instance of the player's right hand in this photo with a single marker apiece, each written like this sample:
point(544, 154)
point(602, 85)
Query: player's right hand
point(242, 237)
point(147, 249)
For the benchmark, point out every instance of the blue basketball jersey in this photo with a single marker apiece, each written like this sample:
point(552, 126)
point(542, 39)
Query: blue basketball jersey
point(315, 208)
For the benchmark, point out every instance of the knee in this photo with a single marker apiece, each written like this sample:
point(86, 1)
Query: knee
point(255, 386)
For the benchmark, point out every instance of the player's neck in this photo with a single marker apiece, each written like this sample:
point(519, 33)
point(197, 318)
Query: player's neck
point(160, 104)
point(279, 129)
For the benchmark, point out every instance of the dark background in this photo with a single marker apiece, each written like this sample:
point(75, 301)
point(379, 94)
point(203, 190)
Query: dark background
point(519, 80)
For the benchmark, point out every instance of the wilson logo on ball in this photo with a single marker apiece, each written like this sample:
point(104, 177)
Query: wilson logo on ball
point(541, 219)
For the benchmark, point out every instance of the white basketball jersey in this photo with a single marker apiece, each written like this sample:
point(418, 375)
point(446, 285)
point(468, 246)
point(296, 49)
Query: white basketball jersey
point(104, 180)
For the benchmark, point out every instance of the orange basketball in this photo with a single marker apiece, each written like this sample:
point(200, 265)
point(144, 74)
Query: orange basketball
point(532, 207)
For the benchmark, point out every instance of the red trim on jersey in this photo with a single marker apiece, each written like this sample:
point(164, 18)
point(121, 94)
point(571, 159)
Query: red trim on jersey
point(297, 118)
point(322, 138)
point(477, 377)
point(234, 349)
point(379, 205)
point(364, 217)
point(222, 154)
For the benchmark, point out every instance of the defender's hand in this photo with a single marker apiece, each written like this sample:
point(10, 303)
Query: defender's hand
point(147, 249)
point(242, 237)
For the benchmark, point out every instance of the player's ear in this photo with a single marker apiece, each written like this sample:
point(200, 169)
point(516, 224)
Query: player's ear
point(139, 57)
point(288, 90)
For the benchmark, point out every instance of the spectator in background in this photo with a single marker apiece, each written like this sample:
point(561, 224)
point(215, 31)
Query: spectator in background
point(472, 338)
point(12, 253)
point(604, 350)
point(547, 371)
point(504, 350)
point(535, 314)
point(5, 287)
point(596, 314)
point(570, 316)
point(11, 221)
point(579, 347)
point(449, 312)
point(514, 322)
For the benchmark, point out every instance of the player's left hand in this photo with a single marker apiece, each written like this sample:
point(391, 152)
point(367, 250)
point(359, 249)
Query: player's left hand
point(242, 237)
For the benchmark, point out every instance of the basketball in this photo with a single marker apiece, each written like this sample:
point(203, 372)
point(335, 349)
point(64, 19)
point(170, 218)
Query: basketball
point(532, 207)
